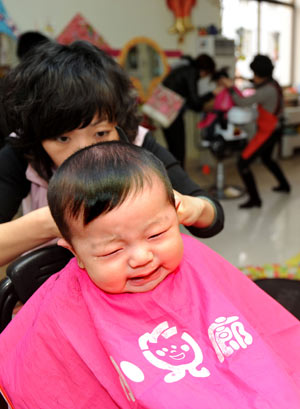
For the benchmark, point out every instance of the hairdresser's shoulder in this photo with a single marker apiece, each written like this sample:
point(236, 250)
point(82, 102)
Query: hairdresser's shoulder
point(178, 74)
point(12, 162)
point(9, 153)
point(158, 150)
point(14, 185)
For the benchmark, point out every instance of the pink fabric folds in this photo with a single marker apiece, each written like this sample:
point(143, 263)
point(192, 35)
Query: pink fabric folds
point(206, 337)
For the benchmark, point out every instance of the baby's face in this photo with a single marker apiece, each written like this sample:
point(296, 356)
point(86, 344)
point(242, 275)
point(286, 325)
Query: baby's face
point(133, 247)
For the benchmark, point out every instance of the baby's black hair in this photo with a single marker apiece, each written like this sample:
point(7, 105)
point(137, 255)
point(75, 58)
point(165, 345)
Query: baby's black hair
point(59, 88)
point(98, 178)
point(221, 73)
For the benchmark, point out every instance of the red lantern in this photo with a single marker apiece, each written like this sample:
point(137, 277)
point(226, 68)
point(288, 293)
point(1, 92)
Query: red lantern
point(182, 11)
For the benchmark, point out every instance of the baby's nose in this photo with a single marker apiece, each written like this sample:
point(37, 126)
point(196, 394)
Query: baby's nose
point(140, 256)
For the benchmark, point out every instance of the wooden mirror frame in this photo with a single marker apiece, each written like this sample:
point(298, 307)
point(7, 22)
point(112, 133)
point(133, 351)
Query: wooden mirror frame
point(144, 94)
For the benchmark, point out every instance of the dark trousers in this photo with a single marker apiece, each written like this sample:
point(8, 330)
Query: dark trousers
point(265, 153)
point(175, 138)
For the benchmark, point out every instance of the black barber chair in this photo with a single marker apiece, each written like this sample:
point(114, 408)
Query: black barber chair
point(26, 274)
point(224, 140)
point(285, 291)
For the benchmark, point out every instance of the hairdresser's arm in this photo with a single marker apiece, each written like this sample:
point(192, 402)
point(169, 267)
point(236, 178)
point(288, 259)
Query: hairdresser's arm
point(239, 100)
point(25, 233)
point(198, 211)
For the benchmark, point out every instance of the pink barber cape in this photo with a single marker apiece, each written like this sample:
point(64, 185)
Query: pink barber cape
point(206, 337)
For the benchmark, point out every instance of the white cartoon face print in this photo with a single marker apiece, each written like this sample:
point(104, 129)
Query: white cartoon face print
point(174, 351)
point(179, 354)
point(166, 349)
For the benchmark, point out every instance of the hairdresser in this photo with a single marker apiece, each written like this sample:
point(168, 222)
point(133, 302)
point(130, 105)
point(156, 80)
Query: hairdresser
point(269, 100)
point(184, 81)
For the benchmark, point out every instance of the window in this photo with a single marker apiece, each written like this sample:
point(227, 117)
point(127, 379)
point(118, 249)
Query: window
point(260, 26)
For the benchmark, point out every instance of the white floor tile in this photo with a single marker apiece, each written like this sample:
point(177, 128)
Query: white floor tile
point(269, 234)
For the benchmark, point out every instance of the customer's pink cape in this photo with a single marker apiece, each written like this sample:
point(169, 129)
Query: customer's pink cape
point(206, 337)
point(223, 102)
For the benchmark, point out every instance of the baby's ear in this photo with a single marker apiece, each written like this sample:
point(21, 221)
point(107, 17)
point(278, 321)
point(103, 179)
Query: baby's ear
point(66, 245)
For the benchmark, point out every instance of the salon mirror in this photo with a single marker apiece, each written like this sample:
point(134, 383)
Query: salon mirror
point(146, 64)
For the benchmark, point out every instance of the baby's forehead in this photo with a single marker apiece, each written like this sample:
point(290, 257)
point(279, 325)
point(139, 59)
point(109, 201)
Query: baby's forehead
point(134, 212)
point(147, 188)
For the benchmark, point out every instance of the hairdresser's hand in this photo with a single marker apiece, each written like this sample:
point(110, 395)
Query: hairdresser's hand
point(194, 211)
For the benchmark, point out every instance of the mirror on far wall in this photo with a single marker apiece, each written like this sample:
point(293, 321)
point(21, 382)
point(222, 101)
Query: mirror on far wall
point(145, 63)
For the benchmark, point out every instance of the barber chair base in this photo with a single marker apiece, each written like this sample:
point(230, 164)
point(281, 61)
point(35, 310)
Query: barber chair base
point(227, 192)
point(220, 190)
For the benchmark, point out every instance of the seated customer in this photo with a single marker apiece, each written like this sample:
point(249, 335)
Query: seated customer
point(143, 316)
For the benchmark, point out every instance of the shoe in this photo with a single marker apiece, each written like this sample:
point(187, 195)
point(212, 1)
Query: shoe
point(282, 188)
point(250, 203)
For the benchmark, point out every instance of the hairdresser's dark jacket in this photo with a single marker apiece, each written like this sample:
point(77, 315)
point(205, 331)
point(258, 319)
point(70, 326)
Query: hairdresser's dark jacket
point(184, 81)
point(14, 186)
point(4, 130)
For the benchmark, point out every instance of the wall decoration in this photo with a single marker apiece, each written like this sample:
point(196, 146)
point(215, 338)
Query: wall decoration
point(182, 13)
point(8, 36)
point(80, 29)
point(6, 24)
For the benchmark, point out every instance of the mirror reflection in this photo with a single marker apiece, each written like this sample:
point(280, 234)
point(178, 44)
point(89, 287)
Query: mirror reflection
point(145, 63)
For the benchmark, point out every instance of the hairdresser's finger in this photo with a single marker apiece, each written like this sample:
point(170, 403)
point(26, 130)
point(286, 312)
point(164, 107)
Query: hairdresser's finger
point(178, 199)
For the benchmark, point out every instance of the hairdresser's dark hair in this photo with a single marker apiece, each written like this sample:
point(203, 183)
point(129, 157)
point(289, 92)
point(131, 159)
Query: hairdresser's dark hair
point(28, 40)
point(98, 178)
point(203, 62)
point(262, 66)
point(206, 63)
point(59, 88)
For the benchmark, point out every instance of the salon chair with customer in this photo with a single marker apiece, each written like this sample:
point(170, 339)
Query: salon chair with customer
point(224, 132)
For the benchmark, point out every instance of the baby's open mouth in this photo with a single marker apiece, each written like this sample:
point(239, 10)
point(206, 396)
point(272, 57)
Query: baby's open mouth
point(140, 280)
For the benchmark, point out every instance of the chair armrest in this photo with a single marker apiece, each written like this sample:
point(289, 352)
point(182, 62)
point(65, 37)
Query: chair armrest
point(31, 270)
point(8, 299)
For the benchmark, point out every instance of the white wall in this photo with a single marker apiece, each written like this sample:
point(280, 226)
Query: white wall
point(117, 21)
point(296, 45)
